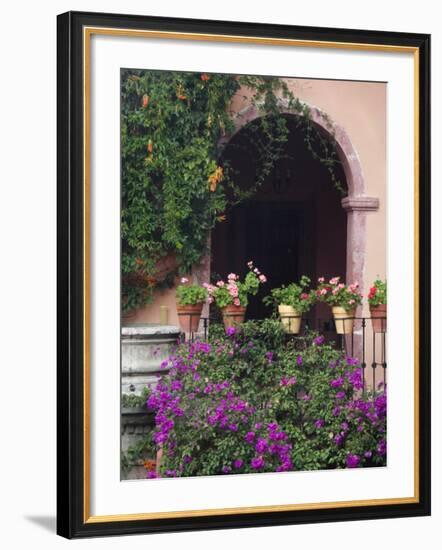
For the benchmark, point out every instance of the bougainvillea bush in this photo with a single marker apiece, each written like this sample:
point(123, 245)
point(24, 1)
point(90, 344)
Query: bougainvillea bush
point(246, 401)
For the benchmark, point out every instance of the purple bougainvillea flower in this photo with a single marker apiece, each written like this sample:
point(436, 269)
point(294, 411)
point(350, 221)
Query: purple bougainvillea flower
point(352, 360)
point(319, 423)
point(353, 461)
point(319, 340)
point(238, 463)
point(249, 437)
point(287, 381)
point(187, 459)
point(368, 454)
point(226, 469)
point(339, 439)
point(382, 447)
point(257, 462)
point(355, 379)
point(261, 446)
point(269, 356)
point(258, 426)
point(337, 382)
point(336, 411)
point(340, 395)
point(299, 360)
point(176, 385)
point(231, 331)
point(152, 475)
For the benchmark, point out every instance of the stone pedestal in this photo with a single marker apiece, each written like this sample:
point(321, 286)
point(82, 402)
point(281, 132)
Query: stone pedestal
point(143, 349)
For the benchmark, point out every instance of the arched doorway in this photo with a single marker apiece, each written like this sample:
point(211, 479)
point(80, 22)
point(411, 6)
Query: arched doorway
point(356, 204)
point(293, 225)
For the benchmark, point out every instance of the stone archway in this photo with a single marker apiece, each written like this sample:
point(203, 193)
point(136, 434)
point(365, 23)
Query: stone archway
point(356, 203)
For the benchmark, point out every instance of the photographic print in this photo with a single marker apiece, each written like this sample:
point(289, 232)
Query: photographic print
point(243, 274)
point(254, 274)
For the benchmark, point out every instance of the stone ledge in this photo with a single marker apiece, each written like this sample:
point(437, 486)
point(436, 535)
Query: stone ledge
point(145, 331)
point(362, 203)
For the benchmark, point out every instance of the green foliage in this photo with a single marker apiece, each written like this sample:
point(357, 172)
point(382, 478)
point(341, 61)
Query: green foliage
point(378, 293)
point(190, 294)
point(295, 295)
point(174, 186)
point(133, 400)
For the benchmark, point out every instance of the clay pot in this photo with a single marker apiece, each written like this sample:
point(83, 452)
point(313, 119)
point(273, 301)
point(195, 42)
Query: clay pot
point(379, 318)
point(189, 317)
point(343, 320)
point(290, 319)
point(233, 315)
point(128, 317)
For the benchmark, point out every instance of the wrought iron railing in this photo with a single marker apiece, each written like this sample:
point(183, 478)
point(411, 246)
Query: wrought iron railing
point(366, 341)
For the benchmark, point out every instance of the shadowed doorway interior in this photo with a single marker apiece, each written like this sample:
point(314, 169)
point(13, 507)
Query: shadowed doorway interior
point(293, 225)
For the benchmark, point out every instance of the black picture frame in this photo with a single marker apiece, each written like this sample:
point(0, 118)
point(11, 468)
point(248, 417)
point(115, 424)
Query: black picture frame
point(72, 520)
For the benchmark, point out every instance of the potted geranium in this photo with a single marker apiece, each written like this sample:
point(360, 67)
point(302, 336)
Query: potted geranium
point(377, 300)
point(343, 300)
point(190, 300)
point(292, 301)
point(232, 296)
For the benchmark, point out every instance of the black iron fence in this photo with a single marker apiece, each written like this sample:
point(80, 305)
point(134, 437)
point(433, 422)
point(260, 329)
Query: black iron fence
point(361, 338)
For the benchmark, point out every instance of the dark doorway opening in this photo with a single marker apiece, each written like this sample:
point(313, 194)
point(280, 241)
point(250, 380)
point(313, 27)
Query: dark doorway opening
point(294, 225)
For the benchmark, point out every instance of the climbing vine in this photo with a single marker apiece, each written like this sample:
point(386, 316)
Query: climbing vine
point(175, 185)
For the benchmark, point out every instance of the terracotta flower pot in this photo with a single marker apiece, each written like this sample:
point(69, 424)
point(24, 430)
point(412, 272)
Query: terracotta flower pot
point(233, 315)
point(189, 317)
point(290, 319)
point(343, 320)
point(379, 318)
point(128, 317)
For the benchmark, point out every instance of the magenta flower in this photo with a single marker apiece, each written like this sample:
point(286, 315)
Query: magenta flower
point(238, 463)
point(337, 382)
point(382, 447)
point(318, 340)
point(249, 437)
point(261, 446)
point(257, 462)
point(319, 423)
point(299, 360)
point(353, 461)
